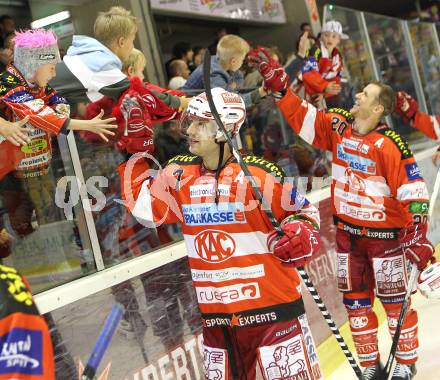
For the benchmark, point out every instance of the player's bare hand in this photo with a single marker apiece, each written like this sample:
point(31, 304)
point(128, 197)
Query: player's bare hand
point(14, 131)
point(333, 88)
point(436, 158)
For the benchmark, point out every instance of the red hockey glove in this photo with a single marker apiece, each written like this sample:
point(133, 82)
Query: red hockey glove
point(300, 242)
point(417, 248)
point(137, 111)
point(406, 106)
point(274, 77)
point(137, 135)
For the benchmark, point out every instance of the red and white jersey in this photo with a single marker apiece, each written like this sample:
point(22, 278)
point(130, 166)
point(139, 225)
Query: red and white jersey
point(427, 124)
point(234, 273)
point(377, 187)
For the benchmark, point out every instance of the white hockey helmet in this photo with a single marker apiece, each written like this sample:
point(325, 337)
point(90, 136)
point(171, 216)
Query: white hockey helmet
point(429, 281)
point(230, 107)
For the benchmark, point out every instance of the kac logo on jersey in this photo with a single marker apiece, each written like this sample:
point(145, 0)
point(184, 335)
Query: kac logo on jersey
point(360, 164)
point(205, 214)
point(21, 352)
point(214, 246)
point(413, 171)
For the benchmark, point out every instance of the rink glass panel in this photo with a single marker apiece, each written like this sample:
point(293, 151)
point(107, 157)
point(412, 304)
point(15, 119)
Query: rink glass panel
point(267, 134)
point(358, 68)
point(427, 56)
point(46, 247)
point(120, 236)
point(392, 59)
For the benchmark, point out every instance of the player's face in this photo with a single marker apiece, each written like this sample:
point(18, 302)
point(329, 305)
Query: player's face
point(201, 138)
point(44, 74)
point(330, 40)
point(366, 102)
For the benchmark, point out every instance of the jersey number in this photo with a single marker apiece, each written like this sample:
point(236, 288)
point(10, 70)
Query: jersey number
point(338, 125)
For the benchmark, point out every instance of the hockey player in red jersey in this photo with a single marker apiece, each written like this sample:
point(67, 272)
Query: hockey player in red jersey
point(234, 253)
point(26, 348)
point(380, 205)
point(408, 108)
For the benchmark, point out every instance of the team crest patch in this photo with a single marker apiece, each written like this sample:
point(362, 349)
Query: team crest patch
point(390, 275)
point(215, 363)
point(286, 360)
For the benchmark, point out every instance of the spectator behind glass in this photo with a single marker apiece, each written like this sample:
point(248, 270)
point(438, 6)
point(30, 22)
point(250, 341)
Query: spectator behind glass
point(305, 27)
point(181, 50)
point(169, 142)
point(220, 34)
point(321, 73)
point(7, 26)
point(294, 62)
point(133, 66)
point(7, 53)
point(197, 60)
point(179, 73)
point(225, 70)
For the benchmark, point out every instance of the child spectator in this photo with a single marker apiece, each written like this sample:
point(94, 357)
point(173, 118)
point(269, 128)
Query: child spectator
point(92, 67)
point(321, 73)
point(179, 73)
point(24, 94)
point(91, 70)
point(225, 70)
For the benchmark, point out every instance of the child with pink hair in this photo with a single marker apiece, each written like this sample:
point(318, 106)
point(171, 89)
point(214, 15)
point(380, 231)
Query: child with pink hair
point(26, 96)
point(24, 93)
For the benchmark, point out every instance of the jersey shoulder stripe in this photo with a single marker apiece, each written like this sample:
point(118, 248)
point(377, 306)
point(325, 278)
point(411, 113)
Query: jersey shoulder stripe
point(267, 166)
point(185, 159)
point(340, 111)
point(398, 141)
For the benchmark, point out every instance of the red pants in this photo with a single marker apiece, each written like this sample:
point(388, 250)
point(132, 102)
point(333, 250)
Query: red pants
point(284, 350)
point(369, 267)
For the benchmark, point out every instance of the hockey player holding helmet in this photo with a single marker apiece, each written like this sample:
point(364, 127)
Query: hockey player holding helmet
point(243, 273)
point(380, 206)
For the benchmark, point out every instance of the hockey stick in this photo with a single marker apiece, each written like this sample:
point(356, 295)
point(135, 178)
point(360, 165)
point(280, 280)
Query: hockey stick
point(102, 342)
point(412, 279)
point(434, 194)
point(233, 145)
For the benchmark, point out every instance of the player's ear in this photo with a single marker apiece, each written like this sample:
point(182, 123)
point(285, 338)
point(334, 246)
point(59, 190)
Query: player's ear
point(379, 109)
